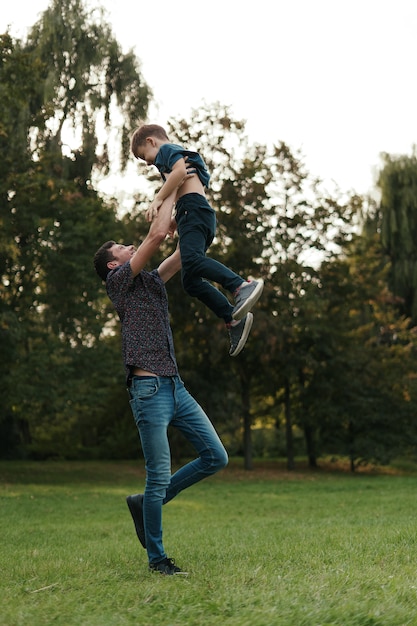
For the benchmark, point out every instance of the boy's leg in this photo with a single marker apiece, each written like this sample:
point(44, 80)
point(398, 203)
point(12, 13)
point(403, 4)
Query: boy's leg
point(191, 420)
point(195, 264)
point(196, 231)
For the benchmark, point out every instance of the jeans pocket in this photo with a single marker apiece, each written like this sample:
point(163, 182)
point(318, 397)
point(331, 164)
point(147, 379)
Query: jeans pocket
point(143, 388)
point(142, 392)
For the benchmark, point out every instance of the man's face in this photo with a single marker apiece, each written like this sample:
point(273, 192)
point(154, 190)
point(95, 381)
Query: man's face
point(121, 254)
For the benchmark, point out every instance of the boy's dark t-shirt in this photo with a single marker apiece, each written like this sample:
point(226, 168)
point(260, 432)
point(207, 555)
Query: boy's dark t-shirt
point(168, 155)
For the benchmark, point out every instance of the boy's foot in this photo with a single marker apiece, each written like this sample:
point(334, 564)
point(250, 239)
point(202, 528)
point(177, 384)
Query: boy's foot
point(239, 334)
point(135, 504)
point(246, 297)
point(167, 567)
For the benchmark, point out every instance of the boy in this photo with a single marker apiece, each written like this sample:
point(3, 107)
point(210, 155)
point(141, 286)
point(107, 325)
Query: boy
point(196, 225)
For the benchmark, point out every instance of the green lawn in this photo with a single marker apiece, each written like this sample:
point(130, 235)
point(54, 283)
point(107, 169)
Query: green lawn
point(262, 548)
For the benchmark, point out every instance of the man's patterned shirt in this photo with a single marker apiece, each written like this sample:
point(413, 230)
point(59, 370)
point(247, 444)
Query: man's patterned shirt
point(142, 305)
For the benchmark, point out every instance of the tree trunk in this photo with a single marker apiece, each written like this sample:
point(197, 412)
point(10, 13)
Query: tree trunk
point(288, 427)
point(310, 446)
point(247, 442)
point(352, 455)
point(247, 422)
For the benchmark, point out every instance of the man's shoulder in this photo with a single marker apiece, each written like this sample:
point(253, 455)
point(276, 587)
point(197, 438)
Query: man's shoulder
point(119, 273)
point(123, 273)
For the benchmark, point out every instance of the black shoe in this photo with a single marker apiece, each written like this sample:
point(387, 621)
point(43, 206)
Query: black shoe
point(135, 504)
point(167, 567)
point(239, 334)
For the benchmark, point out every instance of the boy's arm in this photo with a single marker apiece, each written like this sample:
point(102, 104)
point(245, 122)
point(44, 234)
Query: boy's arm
point(156, 235)
point(174, 180)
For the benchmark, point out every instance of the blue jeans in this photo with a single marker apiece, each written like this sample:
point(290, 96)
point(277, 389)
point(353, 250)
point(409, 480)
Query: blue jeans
point(196, 224)
point(157, 402)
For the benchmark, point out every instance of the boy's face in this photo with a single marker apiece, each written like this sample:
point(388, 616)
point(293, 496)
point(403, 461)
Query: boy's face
point(148, 150)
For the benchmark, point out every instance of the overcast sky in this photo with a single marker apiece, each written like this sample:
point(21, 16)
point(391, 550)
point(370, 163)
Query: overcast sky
point(334, 79)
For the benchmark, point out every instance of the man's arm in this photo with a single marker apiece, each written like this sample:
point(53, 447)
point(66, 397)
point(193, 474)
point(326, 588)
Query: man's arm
point(156, 235)
point(170, 265)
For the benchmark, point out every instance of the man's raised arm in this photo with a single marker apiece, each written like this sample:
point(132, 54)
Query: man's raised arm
point(157, 232)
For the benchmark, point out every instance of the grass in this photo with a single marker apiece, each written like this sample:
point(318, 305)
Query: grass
point(262, 548)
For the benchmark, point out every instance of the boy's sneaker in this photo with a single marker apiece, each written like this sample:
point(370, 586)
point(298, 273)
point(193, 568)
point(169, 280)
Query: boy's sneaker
point(239, 334)
point(167, 567)
point(135, 504)
point(246, 297)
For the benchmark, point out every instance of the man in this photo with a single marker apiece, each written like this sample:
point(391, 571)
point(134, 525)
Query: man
point(158, 397)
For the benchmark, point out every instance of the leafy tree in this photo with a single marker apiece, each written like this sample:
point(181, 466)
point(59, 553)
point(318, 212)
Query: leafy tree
point(60, 91)
point(398, 185)
point(18, 88)
point(271, 215)
point(305, 226)
point(360, 366)
point(89, 87)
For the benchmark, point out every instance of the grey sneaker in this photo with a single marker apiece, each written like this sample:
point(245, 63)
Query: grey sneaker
point(135, 504)
point(246, 297)
point(167, 567)
point(239, 334)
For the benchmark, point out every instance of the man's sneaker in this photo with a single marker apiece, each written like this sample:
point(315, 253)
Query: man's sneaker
point(246, 297)
point(239, 334)
point(167, 567)
point(135, 504)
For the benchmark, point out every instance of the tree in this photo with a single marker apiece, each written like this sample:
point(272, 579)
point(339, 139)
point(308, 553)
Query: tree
point(89, 88)
point(358, 397)
point(271, 216)
point(304, 227)
point(398, 184)
point(60, 91)
point(18, 92)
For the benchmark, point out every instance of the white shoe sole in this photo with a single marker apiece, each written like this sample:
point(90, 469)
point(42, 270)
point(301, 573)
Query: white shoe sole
point(250, 302)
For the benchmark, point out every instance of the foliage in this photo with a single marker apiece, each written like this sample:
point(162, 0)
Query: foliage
point(89, 88)
point(272, 216)
point(330, 356)
point(53, 307)
point(398, 185)
point(359, 396)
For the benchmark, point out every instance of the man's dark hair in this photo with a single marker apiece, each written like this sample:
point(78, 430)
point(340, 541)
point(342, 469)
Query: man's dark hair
point(101, 258)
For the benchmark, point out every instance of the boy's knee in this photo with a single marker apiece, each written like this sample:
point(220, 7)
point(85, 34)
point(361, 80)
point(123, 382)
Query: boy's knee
point(192, 264)
point(190, 284)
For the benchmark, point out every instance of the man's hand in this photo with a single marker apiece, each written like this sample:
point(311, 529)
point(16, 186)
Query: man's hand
point(172, 228)
point(152, 211)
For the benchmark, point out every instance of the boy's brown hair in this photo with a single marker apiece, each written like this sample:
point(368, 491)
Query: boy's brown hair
point(144, 131)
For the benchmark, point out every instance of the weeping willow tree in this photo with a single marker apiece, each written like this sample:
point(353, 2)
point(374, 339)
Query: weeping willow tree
point(398, 185)
point(90, 91)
